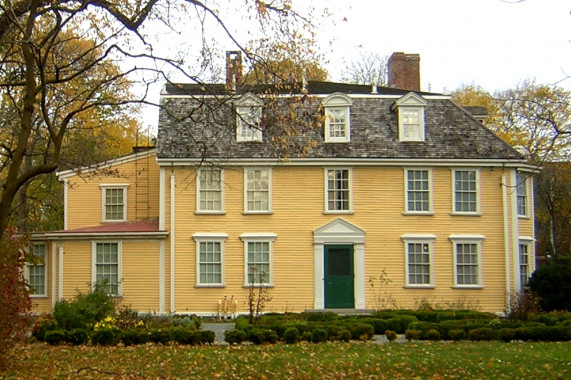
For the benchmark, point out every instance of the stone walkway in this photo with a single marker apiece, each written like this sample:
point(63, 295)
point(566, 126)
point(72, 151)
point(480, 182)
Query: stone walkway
point(220, 327)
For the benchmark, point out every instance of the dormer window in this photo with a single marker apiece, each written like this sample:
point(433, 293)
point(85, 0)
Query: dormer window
point(248, 118)
point(410, 111)
point(337, 118)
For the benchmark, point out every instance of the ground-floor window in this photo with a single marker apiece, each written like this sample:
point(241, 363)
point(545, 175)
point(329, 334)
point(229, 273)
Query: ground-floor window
point(107, 267)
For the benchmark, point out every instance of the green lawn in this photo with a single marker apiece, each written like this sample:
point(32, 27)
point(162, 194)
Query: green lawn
point(422, 360)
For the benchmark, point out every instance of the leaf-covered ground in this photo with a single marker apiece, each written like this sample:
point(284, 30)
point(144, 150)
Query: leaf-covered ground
point(355, 360)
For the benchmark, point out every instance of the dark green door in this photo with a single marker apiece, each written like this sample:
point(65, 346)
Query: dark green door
point(339, 282)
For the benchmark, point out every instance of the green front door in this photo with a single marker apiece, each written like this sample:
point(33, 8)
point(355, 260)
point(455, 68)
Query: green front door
point(339, 281)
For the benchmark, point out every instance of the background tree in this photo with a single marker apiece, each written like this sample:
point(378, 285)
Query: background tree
point(367, 68)
point(61, 61)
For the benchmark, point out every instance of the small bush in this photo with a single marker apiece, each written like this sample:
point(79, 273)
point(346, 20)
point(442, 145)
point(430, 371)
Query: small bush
point(361, 331)
point(456, 334)
point(159, 335)
point(55, 337)
point(42, 325)
point(209, 337)
point(260, 336)
point(344, 335)
point(432, 334)
point(412, 334)
point(104, 337)
point(235, 336)
point(482, 333)
point(391, 335)
point(291, 335)
point(77, 337)
point(319, 335)
point(183, 335)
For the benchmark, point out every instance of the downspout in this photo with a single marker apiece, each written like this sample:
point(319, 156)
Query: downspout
point(506, 241)
point(54, 272)
point(532, 216)
point(172, 236)
point(60, 268)
point(65, 198)
point(162, 216)
point(515, 230)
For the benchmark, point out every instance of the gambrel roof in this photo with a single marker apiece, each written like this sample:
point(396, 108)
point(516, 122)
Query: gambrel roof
point(199, 121)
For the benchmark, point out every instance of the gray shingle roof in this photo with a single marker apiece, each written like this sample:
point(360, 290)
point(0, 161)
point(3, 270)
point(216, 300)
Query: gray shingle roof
point(199, 121)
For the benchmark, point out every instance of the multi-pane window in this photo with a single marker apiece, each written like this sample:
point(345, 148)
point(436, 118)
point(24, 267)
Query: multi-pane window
point(210, 190)
point(337, 124)
point(106, 271)
point(521, 187)
point(417, 191)
point(258, 190)
point(467, 264)
point(338, 189)
point(37, 270)
point(523, 264)
point(465, 191)
point(248, 123)
point(114, 203)
point(411, 124)
point(419, 263)
point(210, 262)
point(258, 262)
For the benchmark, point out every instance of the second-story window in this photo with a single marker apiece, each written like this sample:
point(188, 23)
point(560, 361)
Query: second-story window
point(114, 202)
point(417, 195)
point(466, 196)
point(258, 188)
point(210, 194)
point(521, 187)
point(338, 190)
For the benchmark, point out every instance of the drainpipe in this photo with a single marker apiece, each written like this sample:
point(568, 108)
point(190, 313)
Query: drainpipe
point(506, 240)
point(172, 236)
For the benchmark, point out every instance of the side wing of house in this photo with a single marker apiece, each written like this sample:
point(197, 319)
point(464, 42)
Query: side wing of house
point(111, 237)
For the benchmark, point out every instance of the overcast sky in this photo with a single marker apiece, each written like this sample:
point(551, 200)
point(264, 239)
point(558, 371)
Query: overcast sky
point(492, 43)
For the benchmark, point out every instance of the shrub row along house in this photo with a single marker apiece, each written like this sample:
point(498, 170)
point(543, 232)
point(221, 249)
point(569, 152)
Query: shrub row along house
point(316, 191)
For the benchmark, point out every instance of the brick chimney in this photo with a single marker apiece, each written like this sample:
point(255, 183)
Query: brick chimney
point(233, 69)
point(404, 71)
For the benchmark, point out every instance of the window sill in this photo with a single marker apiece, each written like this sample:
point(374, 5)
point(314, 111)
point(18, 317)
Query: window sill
point(476, 287)
point(419, 287)
point(524, 217)
point(38, 296)
point(210, 213)
point(257, 213)
point(216, 286)
point(346, 212)
point(421, 213)
point(114, 221)
point(256, 286)
point(454, 213)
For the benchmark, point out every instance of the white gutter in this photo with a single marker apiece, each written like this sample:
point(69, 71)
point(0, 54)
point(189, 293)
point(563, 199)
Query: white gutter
point(104, 235)
point(504, 188)
point(172, 253)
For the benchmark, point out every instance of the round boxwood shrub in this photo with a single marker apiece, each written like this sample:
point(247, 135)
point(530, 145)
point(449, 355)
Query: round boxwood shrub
point(456, 334)
point(412, 334)
point(391, 335)
point(482, 333)
point(361, 331)
point(207, 337)
point(104, 337)
point(507, 334)
point(344, 335)
point(291, 335)
point(55, 337)
point(159, 336)
point(319, 335)
point(134, 336)
point(235, 336)
point(77, 337)
point(432, 334)
point(260, 336)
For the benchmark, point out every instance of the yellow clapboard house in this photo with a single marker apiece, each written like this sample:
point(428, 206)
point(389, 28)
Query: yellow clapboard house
point(328, 195)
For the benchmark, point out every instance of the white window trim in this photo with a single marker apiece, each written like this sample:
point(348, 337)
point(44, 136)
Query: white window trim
point(422, 239)
point(241, 124)
point(338, 101)
point(527, 195)
point(198, 209)
point(467, 239)
point(248, 101)
point(270, 175)
point(104, 188)
point(525, 240)
point(326, 192)
point(119, 264)
point(206, 237)
point(45, 265)
point(478, 211)
point(411, 101)
point(268, 237)
point(430, 193)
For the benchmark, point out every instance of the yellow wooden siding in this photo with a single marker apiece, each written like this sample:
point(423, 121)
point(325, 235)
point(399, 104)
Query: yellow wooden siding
point(77, 267)
point(85, 196)
point(140, 274)
point(378, 197)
